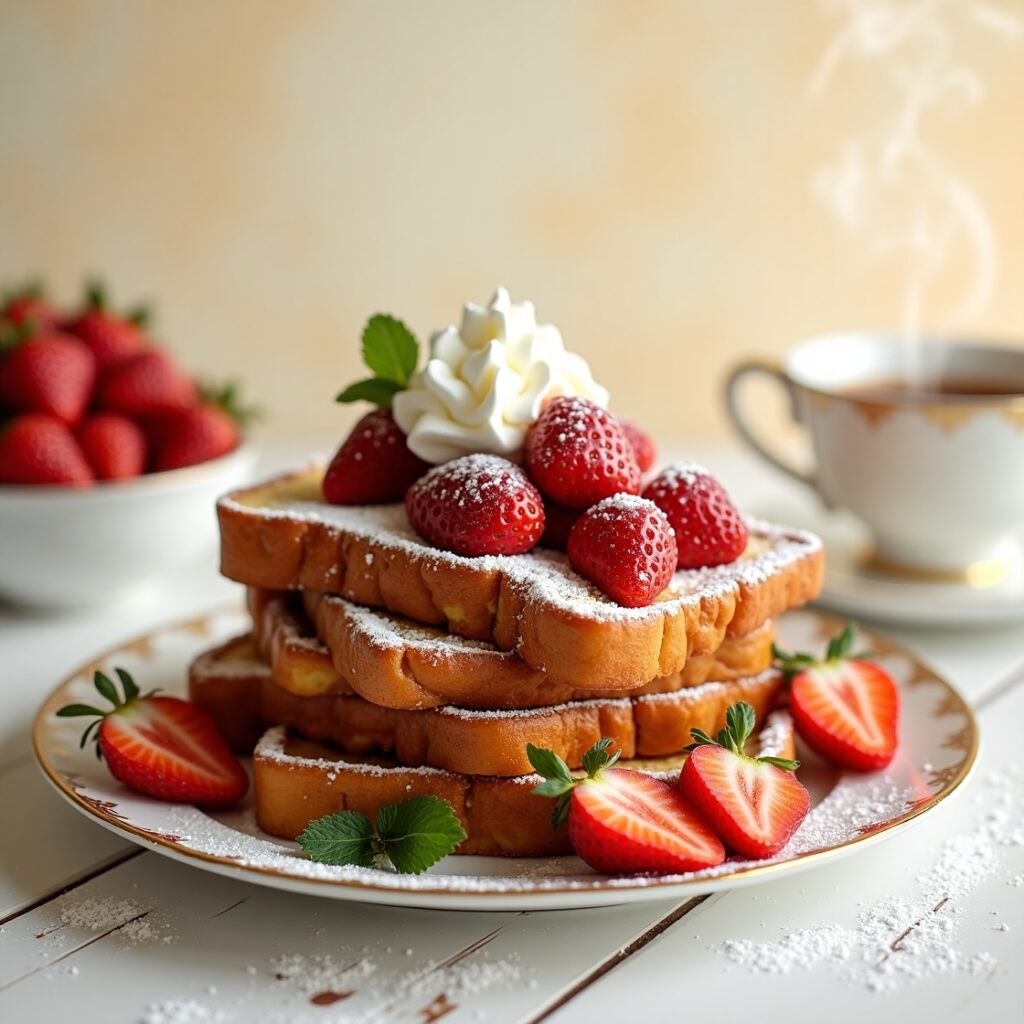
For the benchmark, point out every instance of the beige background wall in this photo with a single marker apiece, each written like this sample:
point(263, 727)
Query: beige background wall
point(273, 172)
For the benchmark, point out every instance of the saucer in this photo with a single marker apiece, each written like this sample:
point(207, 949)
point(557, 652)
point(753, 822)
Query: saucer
point(856, 590)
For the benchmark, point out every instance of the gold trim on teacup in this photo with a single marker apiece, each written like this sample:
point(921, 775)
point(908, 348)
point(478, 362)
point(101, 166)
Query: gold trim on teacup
point(979, 575)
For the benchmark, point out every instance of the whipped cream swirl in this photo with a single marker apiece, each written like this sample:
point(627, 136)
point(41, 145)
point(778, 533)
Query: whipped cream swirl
point(485, 382)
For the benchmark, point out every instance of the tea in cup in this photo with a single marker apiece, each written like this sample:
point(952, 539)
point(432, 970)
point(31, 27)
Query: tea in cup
point(923, 441)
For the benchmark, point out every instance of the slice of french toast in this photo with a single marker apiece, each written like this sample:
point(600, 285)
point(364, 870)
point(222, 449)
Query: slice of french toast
point(297, 780)
point(319, 643)
point(468, 742)
point(282, 535)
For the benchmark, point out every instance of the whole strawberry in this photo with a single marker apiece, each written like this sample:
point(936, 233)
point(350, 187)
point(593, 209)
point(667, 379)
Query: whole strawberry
point(577, 454)
point(147, 384)
point(373, 465)
point(114, 446)
point(709, 530)
point(845, 707)
point(641, 442)
point(754, 803)
point(50, 373)
point(110, 338)
point(623, 821)
point(40, 449)
point(161, 746)
point(194, 435)
point(558, 524)
point(29, 305)
point(477, 505)
point(624, 545)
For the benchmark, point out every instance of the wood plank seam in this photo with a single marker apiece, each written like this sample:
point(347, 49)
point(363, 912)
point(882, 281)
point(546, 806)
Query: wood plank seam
point(619, 956)
point(76, 949)
point(106, 866)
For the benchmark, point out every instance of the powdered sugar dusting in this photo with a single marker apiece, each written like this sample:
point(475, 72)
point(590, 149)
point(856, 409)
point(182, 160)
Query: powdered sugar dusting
point(182, 1011)
point(128, 920)
point(898, 940)
point(545, 575)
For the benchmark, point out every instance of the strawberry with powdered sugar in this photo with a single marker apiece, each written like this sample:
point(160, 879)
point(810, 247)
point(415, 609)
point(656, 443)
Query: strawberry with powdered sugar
point(709, 530)
point(477, 505)
point(625, 546)
point(577, 454)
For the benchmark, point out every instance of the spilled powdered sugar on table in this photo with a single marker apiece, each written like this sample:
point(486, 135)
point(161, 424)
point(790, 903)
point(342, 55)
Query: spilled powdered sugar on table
point(898, 940)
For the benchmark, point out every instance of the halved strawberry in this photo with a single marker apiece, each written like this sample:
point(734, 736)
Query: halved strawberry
point(846, 708)
point(754, 803)
point(161, 746)
point(622, 821)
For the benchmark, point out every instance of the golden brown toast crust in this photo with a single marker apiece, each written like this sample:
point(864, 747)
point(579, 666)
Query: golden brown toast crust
point(296, 781)
point(407, 666)
point(282, 535)
point(485, 742)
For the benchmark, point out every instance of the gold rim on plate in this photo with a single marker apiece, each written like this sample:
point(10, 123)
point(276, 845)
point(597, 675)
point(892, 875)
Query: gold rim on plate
point(951, 703)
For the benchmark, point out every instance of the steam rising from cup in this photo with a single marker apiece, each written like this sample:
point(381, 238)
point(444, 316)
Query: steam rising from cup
point(891, 189)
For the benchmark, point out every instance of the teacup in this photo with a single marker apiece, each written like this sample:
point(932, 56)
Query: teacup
point(923, 441)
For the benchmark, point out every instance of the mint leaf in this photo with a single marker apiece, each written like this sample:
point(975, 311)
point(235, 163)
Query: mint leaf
point(373, 389)
point(547, 763)
point(390, 349)
point(418, 832)
point(343, 838)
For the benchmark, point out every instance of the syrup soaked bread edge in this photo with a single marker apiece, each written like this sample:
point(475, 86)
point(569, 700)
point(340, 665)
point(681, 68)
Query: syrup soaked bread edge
point(278, 536)
point(296, 781)
point(334, 646)
point(472, 742)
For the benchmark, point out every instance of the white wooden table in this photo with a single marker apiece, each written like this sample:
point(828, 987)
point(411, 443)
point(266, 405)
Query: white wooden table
point(200, 948)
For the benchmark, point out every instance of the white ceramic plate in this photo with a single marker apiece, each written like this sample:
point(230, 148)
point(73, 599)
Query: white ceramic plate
point(849, 811)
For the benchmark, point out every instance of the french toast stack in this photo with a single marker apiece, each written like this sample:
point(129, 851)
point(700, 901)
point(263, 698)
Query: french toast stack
point(380, 667)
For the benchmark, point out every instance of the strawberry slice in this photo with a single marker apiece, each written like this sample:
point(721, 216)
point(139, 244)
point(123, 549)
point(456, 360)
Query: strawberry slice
point(754, 803)
point(624, 822)
point(161, 746)
point(845, 708)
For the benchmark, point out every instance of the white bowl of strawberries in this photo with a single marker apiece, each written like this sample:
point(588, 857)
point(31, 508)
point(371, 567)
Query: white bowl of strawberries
point(111, 456)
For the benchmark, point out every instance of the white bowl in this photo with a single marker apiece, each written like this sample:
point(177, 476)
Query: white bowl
point(66, 546)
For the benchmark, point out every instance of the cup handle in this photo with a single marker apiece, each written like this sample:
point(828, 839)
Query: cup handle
point(756, 367)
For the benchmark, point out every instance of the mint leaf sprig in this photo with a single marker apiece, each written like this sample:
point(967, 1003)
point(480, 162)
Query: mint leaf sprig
point(740, 720)
point(391, 351)
point(409, 836)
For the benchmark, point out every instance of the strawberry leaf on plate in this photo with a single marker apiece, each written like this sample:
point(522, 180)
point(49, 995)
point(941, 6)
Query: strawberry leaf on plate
point(418, 832)
point(343, 838)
